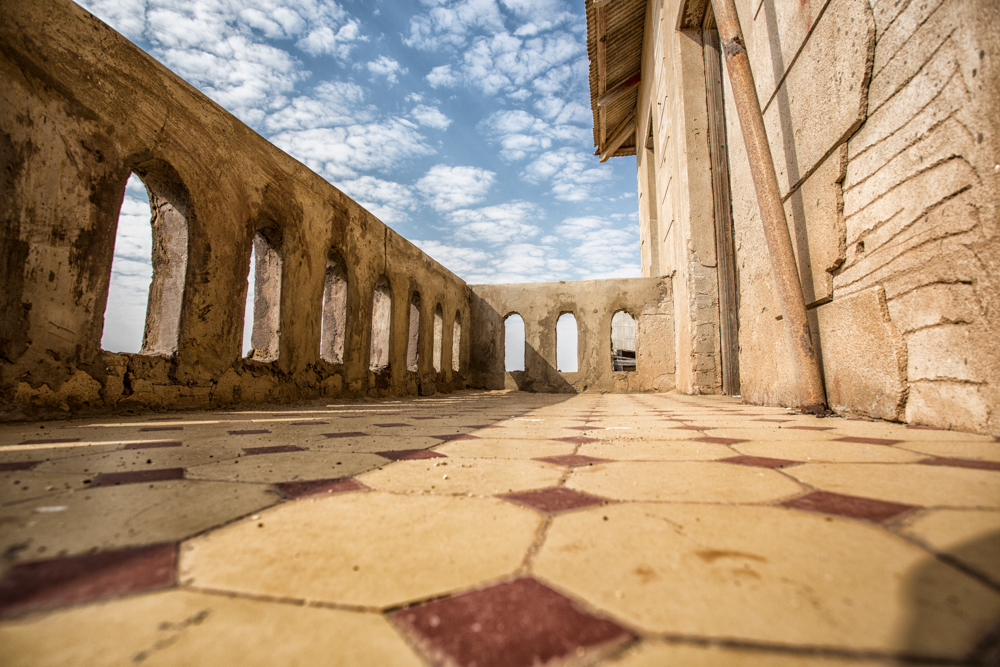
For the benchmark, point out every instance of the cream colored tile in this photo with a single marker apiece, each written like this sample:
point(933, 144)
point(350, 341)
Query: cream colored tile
point(765, 574)
point(368, 549)
point(908, 483)
point(491, 448)
point(186, 628)
point(880, 429)
point(24, 485)
point(450, 475)
point(682, 482)
point(117, 516)
point(128, 460)
point(984, 451)
point(770, 434)
point(827, 451)
point(972, 537)
point(287, 467)
point(640, 449)
point(657, 653)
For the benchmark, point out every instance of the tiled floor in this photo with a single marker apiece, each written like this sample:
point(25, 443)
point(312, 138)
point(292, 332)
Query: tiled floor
point(498, 529)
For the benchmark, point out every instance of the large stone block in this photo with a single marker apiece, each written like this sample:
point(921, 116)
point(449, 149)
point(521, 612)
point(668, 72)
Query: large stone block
point(864, 357)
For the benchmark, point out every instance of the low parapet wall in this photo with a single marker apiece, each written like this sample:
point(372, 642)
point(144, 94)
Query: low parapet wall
point(81, 108)
point(593, 303)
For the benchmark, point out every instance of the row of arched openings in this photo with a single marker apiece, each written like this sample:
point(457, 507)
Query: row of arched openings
point(623, 348)
point(147, 285)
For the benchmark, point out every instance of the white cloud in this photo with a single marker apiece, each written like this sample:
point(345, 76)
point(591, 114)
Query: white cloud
point(569, 171)
point(521, 134)
point(430, 117)
point(449, 23)
point(389, 201)
point(603, 249)
point(386, 67)
point(459, 260)
point(447, 188)
point(329, 104)
point(504, 223)
point(504, 62)
point(342, 152)
point(442, 77)
point(131, 272)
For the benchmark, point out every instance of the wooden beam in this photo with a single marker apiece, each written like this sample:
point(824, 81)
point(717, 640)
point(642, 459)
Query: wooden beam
point(619, 90)
point(599, 3)
point(619, 136)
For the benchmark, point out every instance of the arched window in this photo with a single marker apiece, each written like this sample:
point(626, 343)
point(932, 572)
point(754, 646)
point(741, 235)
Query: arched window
point(381, 325)
point(513, 336)
point(438, 335)
point(334, 323)
point(623, 357)
point(566, 358)
point(413, 340)
point(150, 263)
point(456, 343)
point(264, 292)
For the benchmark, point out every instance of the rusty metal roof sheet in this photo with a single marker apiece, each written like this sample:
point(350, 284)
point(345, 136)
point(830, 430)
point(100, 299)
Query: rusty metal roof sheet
point(624, 22)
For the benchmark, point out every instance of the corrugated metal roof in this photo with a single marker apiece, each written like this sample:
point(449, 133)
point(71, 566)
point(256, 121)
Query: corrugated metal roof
point(624, 21)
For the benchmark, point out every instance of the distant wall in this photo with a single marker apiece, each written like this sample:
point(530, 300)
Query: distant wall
point(593, 303)
point(882, 117)
point(80, 109)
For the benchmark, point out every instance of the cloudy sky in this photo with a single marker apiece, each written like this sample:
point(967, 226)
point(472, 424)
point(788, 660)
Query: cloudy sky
point(464, 125)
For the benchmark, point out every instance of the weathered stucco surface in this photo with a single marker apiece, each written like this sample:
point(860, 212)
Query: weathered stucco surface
point(883, 124)
point(593, 303)
point(80, 109)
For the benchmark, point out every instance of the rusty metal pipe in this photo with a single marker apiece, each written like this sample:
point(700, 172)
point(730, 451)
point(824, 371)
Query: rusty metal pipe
point(805, 361)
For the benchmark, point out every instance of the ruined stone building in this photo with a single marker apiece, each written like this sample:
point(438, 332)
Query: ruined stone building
point(882, 119)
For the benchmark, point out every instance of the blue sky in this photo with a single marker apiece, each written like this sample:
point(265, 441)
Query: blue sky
point(464, 125)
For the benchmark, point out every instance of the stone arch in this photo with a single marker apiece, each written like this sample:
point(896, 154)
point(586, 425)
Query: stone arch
point(381, 320)
point(567, 344)
point(267, 260)
point(333, 326)
point(438, 336)
point(624, 353)
point(513, 342)
point(413, 335)
point(456, 343)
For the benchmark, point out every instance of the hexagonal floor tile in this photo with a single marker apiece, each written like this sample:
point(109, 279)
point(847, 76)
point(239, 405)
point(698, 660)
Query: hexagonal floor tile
point(462, 476)
point(368, 549)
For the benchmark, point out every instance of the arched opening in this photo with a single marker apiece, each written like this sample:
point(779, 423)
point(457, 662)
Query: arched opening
point(264, 292)
point(438, 336)
point(513, 343)
point(566, 334)
point(334, 323)
point(623, 356)
point(413, 339)
point(150, 264)
point(381, 325)
point(456, 343)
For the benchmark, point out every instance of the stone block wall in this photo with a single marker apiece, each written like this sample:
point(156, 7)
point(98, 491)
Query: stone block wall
point(593, 303)
point(81, 109)
point(883, 123)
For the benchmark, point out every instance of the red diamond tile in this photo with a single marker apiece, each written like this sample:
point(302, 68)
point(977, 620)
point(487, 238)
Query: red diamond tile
point(308, 423)
point(688, 428)
point(344, 434)
point(274, 449)
point(162, 428)
point(854, 507)
point(780, 421)
point(316, 487)
point(961, 463)
point(760, 461)
point(153, 445)
point(251, 431)
point(48, 441)
point(554, 500)
point(11, 466)
point(577, 439)
point(137, 477)
point(58, 582)
point(391, 425)
point(720, 441)
point(411, 454)
point(521, 623)
point(483, 426)
point(868, 441)
point(811, 428)
point(455, 436)
point(582, 428)
point(572, 460)
point(425, 418)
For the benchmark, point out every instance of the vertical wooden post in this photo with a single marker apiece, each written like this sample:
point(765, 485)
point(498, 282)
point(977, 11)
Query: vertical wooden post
point(805, 361)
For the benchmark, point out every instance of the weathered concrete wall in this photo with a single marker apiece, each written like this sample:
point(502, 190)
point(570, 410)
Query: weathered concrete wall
point(80, 109)
point(882, 117)
point(593, 303)
point(672, 104)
